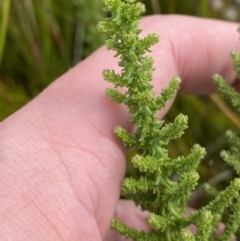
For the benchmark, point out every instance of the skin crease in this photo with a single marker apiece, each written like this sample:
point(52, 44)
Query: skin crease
point(61, 166)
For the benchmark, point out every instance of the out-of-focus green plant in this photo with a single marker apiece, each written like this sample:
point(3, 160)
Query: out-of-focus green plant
point(231, 156)
point(87, 16)
point(43, 40)
point(4, 13)
point(11, 98)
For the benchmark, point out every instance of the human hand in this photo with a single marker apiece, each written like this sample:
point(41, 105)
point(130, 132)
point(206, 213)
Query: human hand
point(61, 166)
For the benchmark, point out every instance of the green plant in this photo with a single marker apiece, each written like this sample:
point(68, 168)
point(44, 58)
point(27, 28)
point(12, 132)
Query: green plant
point(51, 37)
point(155, 191)
point(231, 156)
point(4, 10)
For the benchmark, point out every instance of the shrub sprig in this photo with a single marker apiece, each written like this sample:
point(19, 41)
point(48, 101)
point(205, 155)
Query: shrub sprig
point(165, 199)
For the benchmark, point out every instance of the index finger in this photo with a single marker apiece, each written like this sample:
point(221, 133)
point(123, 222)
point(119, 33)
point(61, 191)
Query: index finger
point(194, 49)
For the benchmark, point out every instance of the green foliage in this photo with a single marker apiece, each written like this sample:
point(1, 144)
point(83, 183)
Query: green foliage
point(11, 98)
point(232, 156)
point(43, 39)
point(4, 10)
point(236, 60)
point(86, 16)
point(206, 123)
point(155, 190)
point(229, 93)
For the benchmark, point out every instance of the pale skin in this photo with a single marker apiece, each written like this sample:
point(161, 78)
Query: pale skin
point(61, 166)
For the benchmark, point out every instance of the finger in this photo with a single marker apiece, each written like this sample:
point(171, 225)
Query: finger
point(60, 167)
point(194, 49)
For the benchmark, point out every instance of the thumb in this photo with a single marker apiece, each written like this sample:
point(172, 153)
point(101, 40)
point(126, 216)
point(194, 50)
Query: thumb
point(61, 166)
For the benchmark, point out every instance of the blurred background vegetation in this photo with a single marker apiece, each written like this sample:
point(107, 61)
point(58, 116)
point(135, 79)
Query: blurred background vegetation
point(42, 39)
